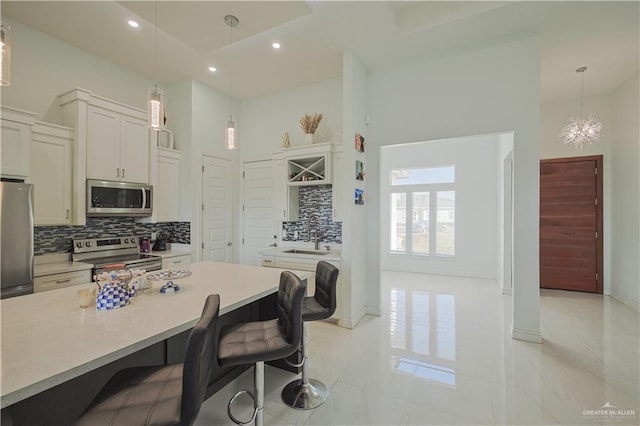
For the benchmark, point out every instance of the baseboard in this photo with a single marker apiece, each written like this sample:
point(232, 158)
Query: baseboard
point(630, 303)
point(354, 320)
point(507, 291)
point(526, 335)
point(374, 310)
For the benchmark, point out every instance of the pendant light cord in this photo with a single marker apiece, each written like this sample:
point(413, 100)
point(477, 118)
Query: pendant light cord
point(156, 49)
point(231, 72)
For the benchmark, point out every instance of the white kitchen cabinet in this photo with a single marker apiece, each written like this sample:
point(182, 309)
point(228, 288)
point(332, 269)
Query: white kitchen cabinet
point(166, 191)
point(308, 165)
point(117, 146)
point(50, 173)
point(286, 198)
point(178, 261)
point(65, 279)
point(111, 143)
point(16, 139)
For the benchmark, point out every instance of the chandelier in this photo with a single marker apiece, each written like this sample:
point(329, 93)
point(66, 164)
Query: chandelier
point(581, 132)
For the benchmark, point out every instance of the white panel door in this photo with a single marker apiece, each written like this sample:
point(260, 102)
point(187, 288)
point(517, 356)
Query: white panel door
point(103, 144)
point(217, 209)
point(258, 225)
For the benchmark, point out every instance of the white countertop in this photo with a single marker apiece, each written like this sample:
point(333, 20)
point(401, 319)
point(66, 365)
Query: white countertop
point(334, 255)
point(170, 253)
point(48, 339)
point(59, 267)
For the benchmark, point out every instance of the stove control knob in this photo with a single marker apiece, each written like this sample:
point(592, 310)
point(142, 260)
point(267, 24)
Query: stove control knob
point(133, 240)
point(87, 244)
point(78, 244)
point(126, 240)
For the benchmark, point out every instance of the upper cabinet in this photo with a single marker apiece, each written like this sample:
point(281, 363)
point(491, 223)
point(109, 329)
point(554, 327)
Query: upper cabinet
point(308, 165)
point(166, 204)
point(15, 137)
point(117, 146)
point(50, 173)
point(111, 143)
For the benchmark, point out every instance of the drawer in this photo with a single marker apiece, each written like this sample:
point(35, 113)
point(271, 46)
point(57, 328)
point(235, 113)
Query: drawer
point(269, 261)
point(66, 279)
point(182, 261)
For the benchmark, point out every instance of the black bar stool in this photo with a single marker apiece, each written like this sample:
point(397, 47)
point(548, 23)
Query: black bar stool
point(306, 393)
point(259, 341)
point(165, 394)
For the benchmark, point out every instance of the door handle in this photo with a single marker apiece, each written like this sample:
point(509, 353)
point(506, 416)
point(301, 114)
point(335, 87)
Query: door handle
point(118, 172)
point(144, 195)
point(122, 172)
point(67, 214)
point(273, 245)
point(229, 244)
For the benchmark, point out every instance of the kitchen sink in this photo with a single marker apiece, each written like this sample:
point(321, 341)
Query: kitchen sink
point(297, 251)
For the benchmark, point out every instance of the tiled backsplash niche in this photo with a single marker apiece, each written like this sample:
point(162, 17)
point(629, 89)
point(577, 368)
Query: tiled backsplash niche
point(315, 213)
point(57, 239)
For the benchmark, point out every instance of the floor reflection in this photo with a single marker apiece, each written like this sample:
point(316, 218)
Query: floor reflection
point(422, 329)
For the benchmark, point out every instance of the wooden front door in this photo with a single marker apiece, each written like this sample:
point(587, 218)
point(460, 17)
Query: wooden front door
point(571, 224)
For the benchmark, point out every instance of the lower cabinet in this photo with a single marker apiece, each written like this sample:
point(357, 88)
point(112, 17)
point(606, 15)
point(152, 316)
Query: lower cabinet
point(65, 279)
point(179, 261)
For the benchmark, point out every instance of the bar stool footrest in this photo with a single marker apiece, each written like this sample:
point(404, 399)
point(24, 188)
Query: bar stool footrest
point(305, 396)
point(232, 417)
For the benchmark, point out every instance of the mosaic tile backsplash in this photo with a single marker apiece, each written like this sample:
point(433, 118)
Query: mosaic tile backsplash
point(57, 239)
point(315, 213)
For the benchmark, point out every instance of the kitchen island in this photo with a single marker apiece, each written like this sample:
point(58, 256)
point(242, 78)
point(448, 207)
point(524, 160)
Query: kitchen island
point(48, 340)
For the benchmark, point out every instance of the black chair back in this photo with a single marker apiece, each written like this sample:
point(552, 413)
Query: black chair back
point(289, 307)
point(326, 279)
point(198, 361)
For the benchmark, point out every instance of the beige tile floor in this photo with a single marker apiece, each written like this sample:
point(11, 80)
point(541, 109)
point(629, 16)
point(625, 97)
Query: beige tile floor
point(441, 354)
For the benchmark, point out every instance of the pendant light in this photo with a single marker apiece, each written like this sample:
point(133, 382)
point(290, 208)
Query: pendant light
point(581, 132)
point(155, 96)
point(5, 57)
point(230, 130)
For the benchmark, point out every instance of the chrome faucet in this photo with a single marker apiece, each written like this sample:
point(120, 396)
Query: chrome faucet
point(316, 239)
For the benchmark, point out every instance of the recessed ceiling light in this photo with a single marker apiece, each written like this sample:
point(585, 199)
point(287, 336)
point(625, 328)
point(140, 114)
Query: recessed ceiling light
point(133, 23)
point(276, 45)
point(212, 69)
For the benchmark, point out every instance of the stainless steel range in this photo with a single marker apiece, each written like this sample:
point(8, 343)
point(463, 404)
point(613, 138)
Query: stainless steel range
point(111, 253)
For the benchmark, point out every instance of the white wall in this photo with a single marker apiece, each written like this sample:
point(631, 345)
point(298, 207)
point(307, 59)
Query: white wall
point(43, 67)
point(505, 215)
point(476, 185)
point(625, 247)
point(489, 90)
point(361, 272)
point(554, 116)
point(265, 119)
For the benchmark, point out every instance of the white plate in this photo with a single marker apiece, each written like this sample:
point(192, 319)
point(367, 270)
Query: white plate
point(168, 275)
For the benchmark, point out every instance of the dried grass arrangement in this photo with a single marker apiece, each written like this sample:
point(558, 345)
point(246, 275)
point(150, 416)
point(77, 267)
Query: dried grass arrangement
point(309, 123)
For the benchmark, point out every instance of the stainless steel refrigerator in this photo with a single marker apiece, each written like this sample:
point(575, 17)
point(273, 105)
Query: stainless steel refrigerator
point(16, 234)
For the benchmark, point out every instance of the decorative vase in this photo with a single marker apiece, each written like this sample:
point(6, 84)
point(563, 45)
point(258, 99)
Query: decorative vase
point(308, 139)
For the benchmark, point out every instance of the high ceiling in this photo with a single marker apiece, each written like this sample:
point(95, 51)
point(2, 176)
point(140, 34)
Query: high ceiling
point(192, 36)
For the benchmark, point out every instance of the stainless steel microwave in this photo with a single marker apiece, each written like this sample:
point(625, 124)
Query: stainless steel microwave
point(109, 198)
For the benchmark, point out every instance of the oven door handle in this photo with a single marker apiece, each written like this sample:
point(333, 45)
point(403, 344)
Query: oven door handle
point(144, 199)
point(114, 266)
